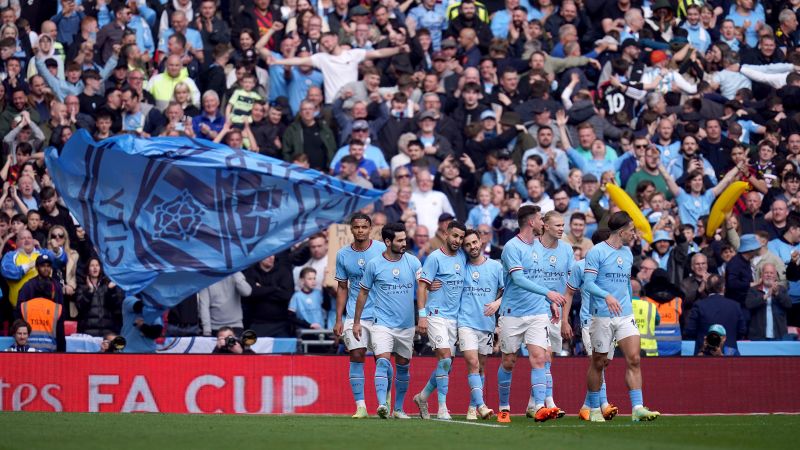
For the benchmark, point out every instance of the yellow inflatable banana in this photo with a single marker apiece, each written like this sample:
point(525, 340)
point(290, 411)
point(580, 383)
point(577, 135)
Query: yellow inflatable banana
point(626, 203)
point(724, 204)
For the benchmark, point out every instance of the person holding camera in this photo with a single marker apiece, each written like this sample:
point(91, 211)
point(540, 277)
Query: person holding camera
point(714, 343)
point(768, 302)
point(716, 310)
point(228, 343)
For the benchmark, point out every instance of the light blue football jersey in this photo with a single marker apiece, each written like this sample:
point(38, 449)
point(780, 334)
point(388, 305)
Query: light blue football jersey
point(575, 282)
point(553, 265)
point(392, 287)
point(350, 266)
point(609, 269)
point(308, 306)
point(449, 270)
point(518, 302)
point(482, 283)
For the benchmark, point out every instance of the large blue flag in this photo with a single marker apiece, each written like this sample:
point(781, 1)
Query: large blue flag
point(170, 216)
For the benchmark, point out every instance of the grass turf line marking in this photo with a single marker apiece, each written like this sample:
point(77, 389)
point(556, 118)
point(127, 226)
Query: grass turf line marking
point(629, 425)
point(489, 425)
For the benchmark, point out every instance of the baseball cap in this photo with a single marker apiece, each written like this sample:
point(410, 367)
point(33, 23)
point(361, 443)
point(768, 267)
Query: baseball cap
point(43, 259)
point(504, 154)
point(439, 56)
point(717, 329)
point(488, 114)
point(360, 125)
point(445, 217)
point(426, 115)
point(449, 43)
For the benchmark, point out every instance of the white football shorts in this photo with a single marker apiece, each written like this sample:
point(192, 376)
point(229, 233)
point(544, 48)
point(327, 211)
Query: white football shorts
point(393, 340)
point(530, 330)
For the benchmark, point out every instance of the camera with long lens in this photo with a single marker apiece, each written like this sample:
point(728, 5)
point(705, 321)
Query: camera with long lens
point(248, 338)
point(713, 343)
point(116, 345)
point(714, 340)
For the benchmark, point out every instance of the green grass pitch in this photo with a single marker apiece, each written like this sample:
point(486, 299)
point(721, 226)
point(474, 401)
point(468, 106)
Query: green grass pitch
point(31, 431)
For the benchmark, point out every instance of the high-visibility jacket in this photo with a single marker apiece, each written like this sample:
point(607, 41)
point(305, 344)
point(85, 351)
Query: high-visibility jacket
point(668, 332)
point(43, 315)
point(644, 313)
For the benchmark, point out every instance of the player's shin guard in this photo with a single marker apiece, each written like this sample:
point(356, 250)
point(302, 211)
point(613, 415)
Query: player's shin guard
point(382, 367)
point(475, 389)
point(443, 379)
point(636, 398)
point(603, 396)
point(401, 386)
point(548, 395)
point(538, 386)
point(504, 386)
point(357, 382)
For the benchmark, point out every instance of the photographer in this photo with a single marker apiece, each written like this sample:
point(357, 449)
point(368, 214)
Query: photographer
point(228, 343)
point(714, 343)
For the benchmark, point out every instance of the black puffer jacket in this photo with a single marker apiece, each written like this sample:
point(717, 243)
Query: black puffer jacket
point(99, 310)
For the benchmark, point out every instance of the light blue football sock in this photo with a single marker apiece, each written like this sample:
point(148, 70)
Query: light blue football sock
point(430, 386)
point(636, 398)
point(401, 385)
point(504, 386)
point(357, 380)
point(443, 379)
point(382, 366)
point(475, 389)
point(594, 399)
point(538, 386)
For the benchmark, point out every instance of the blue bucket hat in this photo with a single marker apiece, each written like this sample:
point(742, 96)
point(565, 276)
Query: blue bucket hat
point(749, 243)
point(662, 235)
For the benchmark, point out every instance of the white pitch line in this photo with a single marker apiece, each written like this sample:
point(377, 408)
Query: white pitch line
point(489, 425)
point(632, 425)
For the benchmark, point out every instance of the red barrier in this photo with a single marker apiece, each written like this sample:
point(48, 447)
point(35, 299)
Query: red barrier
point(319, 384)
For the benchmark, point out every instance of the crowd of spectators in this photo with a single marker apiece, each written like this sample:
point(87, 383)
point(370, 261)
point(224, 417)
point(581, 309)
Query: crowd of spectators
point(459, 109)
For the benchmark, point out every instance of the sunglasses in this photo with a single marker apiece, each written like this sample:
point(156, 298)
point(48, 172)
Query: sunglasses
point(641, 146)
point(403, 176)
point(58, 236)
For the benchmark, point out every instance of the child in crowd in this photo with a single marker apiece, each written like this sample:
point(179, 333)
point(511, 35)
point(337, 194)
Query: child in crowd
point(306, 304)
point(485, 212)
